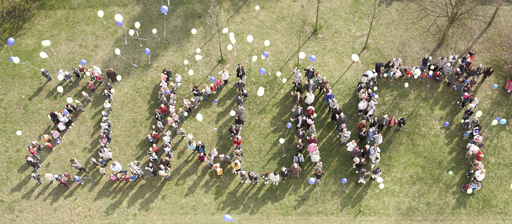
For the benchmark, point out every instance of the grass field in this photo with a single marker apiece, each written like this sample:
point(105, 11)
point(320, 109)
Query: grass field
point(415, 161)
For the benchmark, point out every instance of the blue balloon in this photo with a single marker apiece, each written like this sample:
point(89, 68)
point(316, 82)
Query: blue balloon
point(212, 79)
point(288, 125)
point(446, 124)
point(11, 59)
point(373, 94)
point(344, 180)
point(83, 62)
point(164, 9)
point(262, 71)
point(215, 100)
point(311, 180)
point(503, 121)
point(119, 23)
point(147, 51)
point(167, 92)
point(228, 218)
point(65, 112)
point(58, 142)
point(497, 118)
point(430, 75)
point(495, 86)
point(312, 58)
point(10, 41)
point(265, 54)
point(467, 81)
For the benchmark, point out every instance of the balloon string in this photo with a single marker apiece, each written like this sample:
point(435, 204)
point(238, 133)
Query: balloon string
point(125, 37)
point(26, 63)
point(168, 3)
point(52, 50)
point(268, 88)
point(136, 31)
point(202, 67)
point(52, 64)
point(247, 58)
point(208, 125)
point(128, 61)
point(165, 16)
point(149, 59)
point(139, 39)
point(102, 20)
point(240, 217)
point(157, 36)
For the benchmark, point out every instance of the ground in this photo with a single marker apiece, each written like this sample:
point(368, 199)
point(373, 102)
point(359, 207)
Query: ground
point(415, 161)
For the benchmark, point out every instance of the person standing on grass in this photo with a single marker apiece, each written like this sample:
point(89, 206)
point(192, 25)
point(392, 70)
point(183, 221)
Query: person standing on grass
point(362, 135)
point(253, 177)
point(111, 74)
point(75, 164)
point(239, 122)
point(33, 163)
point(295, 170)
point(298, 158)
point(424, 62)
point(34, 153)
point(240, 72)
point(107, 95)
point(37, 178)
point(401, 123)
point(240, 110)
point(225, 76)
point(237, 141)
point(375, 159)
point(236, 166)
point(479, 175)
point(239, 99)
point(328, 97)
point(275, 178)
point(239, 85)
point(284, 174)
point(359, 163)
point(383, 122)
point(392, 122)
point(363, 176)
point(46, 74)
point(318, 175)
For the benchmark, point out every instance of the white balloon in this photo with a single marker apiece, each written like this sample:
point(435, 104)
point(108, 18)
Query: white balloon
point(193, 31)
point(381, 186)
point(137, 25)
point(261, 92)
point(278, 73)
point(376, 96)
point(281, 140)
point(262, 56)
point(254, 58)
point(233, 40)
point(355, 57)
point(60, 77)
point(100, 14)
point(257, 8)
point(199, 57)
point(131, 32)
point(232, 113)
point(190, 72)
point(230, 47)
point(185, 62)
point(16, 60)
point(186, 114)
point(118, 17)
point(225, 30)
point(379, 179)
point(69, 100)
point(48, 42)
point(117, 51)
point(154, 31)
point(302, 55)
point(250, 38)
point(231, 35)
point(60, 89)
point(198, 50)
point(266, 43)
point(18, 132)
point(43, 55)
point(284, 80)
point(199, 117)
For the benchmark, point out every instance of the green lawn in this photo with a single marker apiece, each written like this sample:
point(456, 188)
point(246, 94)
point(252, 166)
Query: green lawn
point(415, 161)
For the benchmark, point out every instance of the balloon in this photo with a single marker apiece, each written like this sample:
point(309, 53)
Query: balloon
point(284, 80)
point(450, 173)
point(417, 72)
point(11, 58)
point(131, 32)
point(18, 132)
point(461, 121)
point(381, 186)
point(257, 8)
point(225, 30)
point(262, 71)
point(100, 14)
point(43, 55)
point(385, 75)
point(233, 40)
point(147, 51)
point(185, 62)
point(164, 9)
point(495, 86)
point(193, 31)
point(231, 35)
point(199, 117)
point(228, 218)
point(60, 77)
point(250, 39)
point(494, 122)
point(167, 92)
point(497, 118)
point(118, 78)
point(375, 88)
point(314, 115)
point(278, 73)
point(260, 92)
point(467, 81)
point(16, 60)
point(117, 51)
point(379, 179)
point(266, 43)
point(137, 25)
point(60, 89)
point(254, 58)
point(69, 100)
point(478, 113)
point(265, 54)
point(406, 85)
point(46, 43)
point(83, 62)
point(154, 31)
point(118, 17)
point(112, 91)
point(430, 76)
point(212, 79)
point(288, 125)
point(58, 142)
point(215, 101)
point(355, 57)
point(10, 41)
point(344, 180)
point(302, 55)
point(64, 111)
point(230, 47)
point(186, 114)
point(311, 180)
point(232, 113)
point(503, 121)
point(469, 191)
point(312, 58)
point(446, 124)
point(190, 72)
point(373, 94)
point(281, 140)
point(119, 23)
point(376, 96)
point(198, 50)
point(199, 57)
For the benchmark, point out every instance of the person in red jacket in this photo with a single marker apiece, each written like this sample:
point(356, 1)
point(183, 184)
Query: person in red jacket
point(392, 122)
point(163, 109)
point(479, 156)
point(237, 141)
point(34, 153)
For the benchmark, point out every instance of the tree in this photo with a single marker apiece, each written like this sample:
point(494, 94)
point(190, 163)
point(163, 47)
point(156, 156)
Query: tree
point(449, 12)
point(318, 2)
point(214, 17)
point(374, 12)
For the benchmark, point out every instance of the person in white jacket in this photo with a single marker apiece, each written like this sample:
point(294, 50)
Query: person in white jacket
point(479, 175)
point(275, 178)
point(472, 149)
point(116, 167)
point(224, 75)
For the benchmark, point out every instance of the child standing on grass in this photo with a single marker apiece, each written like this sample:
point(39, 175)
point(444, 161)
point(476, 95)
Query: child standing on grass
point(34, 153)
point(49, 177)
point(90, 84)
point(37, 178)
point(275, 178)
point(265, 176)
